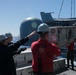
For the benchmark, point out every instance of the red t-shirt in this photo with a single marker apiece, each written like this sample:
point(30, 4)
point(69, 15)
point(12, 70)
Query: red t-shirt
point(46, 51)
point(71, 46)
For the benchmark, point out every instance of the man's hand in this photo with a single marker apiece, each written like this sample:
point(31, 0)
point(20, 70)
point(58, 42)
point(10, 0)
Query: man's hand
point(32, 33)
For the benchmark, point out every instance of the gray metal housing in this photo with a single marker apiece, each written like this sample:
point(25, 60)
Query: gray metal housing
point(27, 26)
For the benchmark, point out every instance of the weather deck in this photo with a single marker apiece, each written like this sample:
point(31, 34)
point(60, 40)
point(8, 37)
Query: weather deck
point(66, 71)
point(63, 71)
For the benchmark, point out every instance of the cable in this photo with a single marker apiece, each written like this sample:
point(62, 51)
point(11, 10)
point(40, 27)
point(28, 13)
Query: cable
point(60, 8)
point(71, 8)
point(72, 11)
point(74, 8)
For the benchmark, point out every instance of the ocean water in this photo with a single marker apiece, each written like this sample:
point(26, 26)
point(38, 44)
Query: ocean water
point(15, 38)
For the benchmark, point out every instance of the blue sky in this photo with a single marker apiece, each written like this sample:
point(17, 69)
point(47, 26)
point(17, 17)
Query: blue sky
point(13, 12)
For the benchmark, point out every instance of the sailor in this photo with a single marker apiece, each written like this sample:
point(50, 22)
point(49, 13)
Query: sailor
point(70, 54)
point(9, 38)
point(6, 52)
point(43, 52)
point(12, 64)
